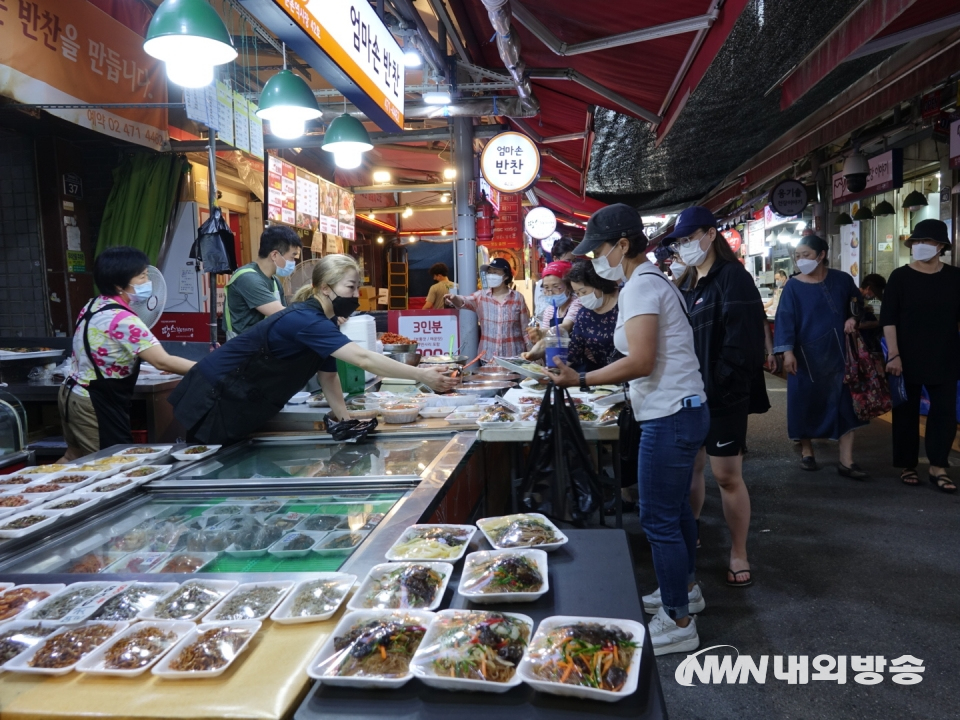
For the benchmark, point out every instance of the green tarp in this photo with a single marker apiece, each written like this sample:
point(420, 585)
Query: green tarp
point(140, 202)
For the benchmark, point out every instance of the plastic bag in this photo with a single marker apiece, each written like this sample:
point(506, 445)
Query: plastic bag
point(214, 246)
point(350, 430)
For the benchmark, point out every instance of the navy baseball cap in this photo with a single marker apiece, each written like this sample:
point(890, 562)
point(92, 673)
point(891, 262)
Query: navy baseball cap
point(609, 224)
point(691, 220)
point(498, 264)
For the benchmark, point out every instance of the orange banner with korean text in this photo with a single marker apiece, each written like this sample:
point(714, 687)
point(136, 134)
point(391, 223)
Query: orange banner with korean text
point(68, 52)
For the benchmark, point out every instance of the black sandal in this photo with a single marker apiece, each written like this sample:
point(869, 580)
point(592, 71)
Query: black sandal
point(910, 477)
point(736, 583)
point(943, 483)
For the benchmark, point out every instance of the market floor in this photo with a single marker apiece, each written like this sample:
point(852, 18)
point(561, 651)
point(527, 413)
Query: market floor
point(840, 568)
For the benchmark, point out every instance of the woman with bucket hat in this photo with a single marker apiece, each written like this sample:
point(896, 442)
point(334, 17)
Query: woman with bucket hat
point(669, 402)
point(920, 318)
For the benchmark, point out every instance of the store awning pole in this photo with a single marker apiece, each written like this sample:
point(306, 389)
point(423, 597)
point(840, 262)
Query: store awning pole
point(466, 231)
point(212, 203)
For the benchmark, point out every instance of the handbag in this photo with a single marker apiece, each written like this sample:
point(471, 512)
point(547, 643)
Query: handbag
point(865, 375)
point(560, 481)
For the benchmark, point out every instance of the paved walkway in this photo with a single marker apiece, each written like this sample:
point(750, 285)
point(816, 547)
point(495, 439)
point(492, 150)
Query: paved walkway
point(840, 567)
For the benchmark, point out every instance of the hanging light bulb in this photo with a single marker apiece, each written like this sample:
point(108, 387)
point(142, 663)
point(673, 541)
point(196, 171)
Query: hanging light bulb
point(381, 176)
point(372, 215)
point(347, 139)
point(449, 173)
point(445, 197)
point(287, 103)
point(380, 239)
point(407, 212)
point(411, 58)
point(191, 39)
point(443, 232)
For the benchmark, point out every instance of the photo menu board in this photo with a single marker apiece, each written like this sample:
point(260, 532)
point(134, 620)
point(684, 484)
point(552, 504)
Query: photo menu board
point(347, 216)
point(300, 198)
point(329, 202)
point(282, 191)
point(308, 200)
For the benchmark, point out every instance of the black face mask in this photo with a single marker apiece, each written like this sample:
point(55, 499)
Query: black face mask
point(344, 306)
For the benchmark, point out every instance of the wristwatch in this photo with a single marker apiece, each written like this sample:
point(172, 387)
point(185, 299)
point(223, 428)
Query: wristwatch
point(583, 383)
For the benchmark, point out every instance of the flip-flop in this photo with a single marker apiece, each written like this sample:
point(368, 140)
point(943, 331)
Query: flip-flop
point(910, 477)
point(942, 481)
point(746, 583)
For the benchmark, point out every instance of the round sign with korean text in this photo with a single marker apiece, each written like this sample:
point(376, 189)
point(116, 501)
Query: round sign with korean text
point(540, 223)
point(510, 162)
point(788, 198)
point(734, 239)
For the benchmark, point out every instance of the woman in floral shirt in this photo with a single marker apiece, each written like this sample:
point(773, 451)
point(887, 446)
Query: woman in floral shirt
point(108, 342)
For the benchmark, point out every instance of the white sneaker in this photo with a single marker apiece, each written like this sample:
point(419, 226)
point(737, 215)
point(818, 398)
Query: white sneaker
point(652, 602)
point(668, 637)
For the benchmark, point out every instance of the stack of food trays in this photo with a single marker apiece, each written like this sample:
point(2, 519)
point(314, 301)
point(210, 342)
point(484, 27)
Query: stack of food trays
point(394, 631)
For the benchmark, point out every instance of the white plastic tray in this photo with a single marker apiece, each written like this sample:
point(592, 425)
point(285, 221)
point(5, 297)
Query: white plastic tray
point(539, 557)
point(53, 589)
point(462, 419)
point(320, 550)
point(422, 659)
point(302, 525)
point(445, 569)
point(5, 480)
point(88, 607)
point(461, 550)
point(92, 490)
point(12, 534)
point(162, 669)
point(160, 589)
point(221, 586)
point(316, 667)
point(277, 548)
point(207, 557)
point(50, 506)
point(32, 502)
point(554, 688)
point(161, 450)
point(546, 547)
point(19, 625)
point(159, 471)
point(213, 615)
point(95, 662)
point(21, 663)
point(438, 411)
point(187, 457)
point(150, 561)
point(89, 474)
point(282, 613)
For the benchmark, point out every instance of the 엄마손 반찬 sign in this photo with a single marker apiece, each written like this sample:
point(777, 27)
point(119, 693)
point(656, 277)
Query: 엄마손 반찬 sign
point(510, 162)
point(348, 45)
point(69, 52)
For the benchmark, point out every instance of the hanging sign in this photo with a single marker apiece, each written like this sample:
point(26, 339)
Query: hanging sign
point(755, 233)
point(547, 243)
point(734, 239)
point(241, 123)
point(347, 43)
point(850, 250)
point(886, 173)
point(329, 207)
point(955, 143)
point(256, 130)
point(540, 223)
point(347, 216)
point(308, 200)
point(432, 329)
point(224, 113)
point(510, 162)
point(73, 53)
point(788, 197)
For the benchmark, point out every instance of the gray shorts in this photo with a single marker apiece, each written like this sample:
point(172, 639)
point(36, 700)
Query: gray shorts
point(79, 420)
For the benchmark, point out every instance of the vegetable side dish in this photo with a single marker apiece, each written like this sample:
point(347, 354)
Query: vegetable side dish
point(196, 450)
point(253, 603)
point(141, 451)
point(586, 654)
point(72, 479)
point(24, 522)
point(519, 531)
point(407, 586)
point(319, 597)
point(376, 648)
point(477, 646)
point(429, 543)
point(506, 573)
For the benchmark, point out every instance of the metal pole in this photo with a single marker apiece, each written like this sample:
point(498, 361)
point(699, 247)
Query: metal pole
point(466, 231)
point(212, 204)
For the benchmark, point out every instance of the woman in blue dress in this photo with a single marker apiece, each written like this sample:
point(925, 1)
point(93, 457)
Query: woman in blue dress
point(817, 307)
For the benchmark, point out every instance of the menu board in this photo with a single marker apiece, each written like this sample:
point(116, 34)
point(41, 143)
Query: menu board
point(281, 191)
point(329, 202)
point(347, 216)
point(308, 200)
point(225, 113)
point(241, 123)
point(256, 131)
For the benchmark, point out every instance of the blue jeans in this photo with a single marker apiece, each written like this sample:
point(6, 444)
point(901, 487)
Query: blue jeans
point(668, 447)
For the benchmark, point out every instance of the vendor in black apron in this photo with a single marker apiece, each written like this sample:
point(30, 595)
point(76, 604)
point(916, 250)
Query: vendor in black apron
point(108, 342)
point(236, 389)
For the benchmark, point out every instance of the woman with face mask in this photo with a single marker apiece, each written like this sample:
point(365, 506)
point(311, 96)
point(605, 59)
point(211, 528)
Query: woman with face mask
point(109, 341)
point(591, 340)
point(726, 313)
point(501, 310)
point(668, 400)
point(816, 308)
point(237, 388)
point(558, 302)
point(920, 316)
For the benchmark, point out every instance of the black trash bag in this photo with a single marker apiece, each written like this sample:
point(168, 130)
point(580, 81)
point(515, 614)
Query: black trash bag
point(350, 430)
point(214, 246)
point(629, 444)
point(560, 481)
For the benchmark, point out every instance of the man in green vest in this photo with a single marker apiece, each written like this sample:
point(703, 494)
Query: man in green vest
point(254, 290)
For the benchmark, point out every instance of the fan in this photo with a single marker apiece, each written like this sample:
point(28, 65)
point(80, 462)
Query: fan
point(151, 309)
point(302, 275)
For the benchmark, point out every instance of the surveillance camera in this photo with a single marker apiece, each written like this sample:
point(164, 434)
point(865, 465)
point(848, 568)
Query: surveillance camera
point(855, 172)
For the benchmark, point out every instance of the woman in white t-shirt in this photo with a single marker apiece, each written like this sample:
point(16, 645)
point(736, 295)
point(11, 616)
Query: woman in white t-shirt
point(668, 400)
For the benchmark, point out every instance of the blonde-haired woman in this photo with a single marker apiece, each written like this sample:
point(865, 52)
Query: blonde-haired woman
point(237, 388)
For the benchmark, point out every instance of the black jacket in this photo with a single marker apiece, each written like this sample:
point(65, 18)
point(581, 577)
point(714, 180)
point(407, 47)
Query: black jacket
point(727, 316)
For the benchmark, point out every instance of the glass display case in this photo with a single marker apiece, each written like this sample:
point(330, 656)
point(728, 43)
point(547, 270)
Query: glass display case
point(13, 425)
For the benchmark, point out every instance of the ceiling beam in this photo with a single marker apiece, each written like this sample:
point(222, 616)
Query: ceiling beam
point(397, 188)
point(592, 85)
point(904, 36)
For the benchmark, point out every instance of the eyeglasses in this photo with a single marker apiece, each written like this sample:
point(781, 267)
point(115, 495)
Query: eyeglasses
point(683, 242)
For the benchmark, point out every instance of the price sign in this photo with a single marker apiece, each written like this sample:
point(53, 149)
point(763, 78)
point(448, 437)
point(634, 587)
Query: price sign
point(431, 329)
point(540, 223)
point(788, 198)
point(510, 162)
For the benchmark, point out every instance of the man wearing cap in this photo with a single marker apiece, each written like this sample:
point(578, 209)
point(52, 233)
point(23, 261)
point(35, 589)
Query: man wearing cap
point(669, 402)
point(920, 318)
point(501, 311)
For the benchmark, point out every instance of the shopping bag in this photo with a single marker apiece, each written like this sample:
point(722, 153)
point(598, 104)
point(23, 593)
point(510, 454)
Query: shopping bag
point(865, 376)
point(560, 481)
point(214, 246)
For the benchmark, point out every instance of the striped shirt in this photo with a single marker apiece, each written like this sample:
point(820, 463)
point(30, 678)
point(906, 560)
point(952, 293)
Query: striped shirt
point(503, 322)
point(546, 319)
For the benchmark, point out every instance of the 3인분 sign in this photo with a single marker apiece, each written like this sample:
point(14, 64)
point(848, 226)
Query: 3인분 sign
point(510, 162)
point(788, 197)
point(540, 223)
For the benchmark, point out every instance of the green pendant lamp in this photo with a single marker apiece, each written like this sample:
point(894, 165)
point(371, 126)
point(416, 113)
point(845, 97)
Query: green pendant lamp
point(347, 139)
point(883, 208)
point(863, 213)
point(287, 102)
point(844, 219)
point(191, 39)
point(914, 200)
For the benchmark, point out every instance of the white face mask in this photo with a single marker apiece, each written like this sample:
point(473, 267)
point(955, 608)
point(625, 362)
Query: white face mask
point(693, 254)
point(677, 268)
point(780, 283)
point(922, 252)
point(591, 301)
point(556, 300)
point(605, 270)
point(807, 266)
point(494, 281)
